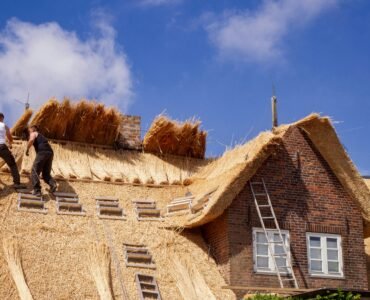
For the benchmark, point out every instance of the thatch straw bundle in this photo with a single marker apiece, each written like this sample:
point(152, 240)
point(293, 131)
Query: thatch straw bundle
point(98, 260)
point(167, 136)
point(22, 123)
point(12, 255)
point(190, 282)
point(84, 121)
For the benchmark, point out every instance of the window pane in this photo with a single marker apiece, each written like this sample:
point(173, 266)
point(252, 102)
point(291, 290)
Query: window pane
point(262, 249)
point(315, 241)
point(332, 243)
point(281, 262)
point(262, 262)
point(332, 254)
point(261, 238)
point(277, 237)
point(279, 249)
point(315, 253)
point(333, 267)
point(316, 266)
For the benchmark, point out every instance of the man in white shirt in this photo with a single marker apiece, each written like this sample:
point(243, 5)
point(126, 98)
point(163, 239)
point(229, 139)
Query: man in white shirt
point(5, 153)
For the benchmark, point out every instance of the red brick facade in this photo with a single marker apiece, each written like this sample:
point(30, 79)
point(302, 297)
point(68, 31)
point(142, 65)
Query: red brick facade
point(307, 197)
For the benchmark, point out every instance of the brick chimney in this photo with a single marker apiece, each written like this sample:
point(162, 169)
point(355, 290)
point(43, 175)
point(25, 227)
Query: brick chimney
point(130, 133)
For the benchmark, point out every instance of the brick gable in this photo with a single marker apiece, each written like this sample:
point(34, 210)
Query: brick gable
point(307, 197)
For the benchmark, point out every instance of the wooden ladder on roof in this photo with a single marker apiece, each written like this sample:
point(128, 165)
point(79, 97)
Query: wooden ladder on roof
point(147, 287)
point(68, 204)
point(266, 212)
point(138, 256)
point(30, 203)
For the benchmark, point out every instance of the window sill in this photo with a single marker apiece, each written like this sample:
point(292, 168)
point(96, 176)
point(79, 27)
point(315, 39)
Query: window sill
point(340, 277)
point(271, 273)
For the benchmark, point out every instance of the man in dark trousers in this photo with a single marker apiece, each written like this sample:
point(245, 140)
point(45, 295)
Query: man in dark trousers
point(5, 153)
point(43, 161)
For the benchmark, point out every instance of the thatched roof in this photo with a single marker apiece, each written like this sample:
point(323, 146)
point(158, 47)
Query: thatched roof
point(58, 254)
point(226, 176)
point(53, 248)
point(229, 174)
point(166, 136)
point(79, 162)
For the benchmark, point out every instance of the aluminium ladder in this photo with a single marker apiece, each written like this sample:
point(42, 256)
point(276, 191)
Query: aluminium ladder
point(280, 242)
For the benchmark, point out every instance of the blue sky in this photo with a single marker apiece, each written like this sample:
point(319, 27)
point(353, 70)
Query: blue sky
point(215, 60)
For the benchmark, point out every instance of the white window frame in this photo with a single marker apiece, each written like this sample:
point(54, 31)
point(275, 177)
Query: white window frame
point(271, 269)
point(324, 252)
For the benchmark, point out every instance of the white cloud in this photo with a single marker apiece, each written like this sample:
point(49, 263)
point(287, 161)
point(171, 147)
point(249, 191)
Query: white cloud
point(259, 35)
point(48, 61)
point(158, 2)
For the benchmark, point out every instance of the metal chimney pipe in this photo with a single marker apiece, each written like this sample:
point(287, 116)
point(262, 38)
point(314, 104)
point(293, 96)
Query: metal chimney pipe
point(274, 111)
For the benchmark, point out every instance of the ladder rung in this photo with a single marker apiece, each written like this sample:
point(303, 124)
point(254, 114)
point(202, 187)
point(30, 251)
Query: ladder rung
point(136, 248)
point(139, 256)
point(149, 292)
point(281, 255)
point(101, 203)
point(275, 242)
point(268, 218)
point(151, 211)
point(65, 195)
point(107, 199)
point(260, 194)
point(257, 183)
point(288, 279)
point(147, 284)
point(67, 200)
point(264, 205)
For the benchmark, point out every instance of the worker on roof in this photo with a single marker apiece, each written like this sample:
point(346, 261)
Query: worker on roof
point(43, 161)
point(5, 153)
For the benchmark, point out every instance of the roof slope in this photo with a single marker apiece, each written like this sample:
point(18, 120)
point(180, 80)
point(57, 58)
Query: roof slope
point(54, 247)
point(91, 163)
point(229, 174)
point(226, 176)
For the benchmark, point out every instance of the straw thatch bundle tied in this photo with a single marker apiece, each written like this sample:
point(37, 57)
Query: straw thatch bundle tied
point(84, 121)
point(21, 125)
point(99, 261)
point(166, 136)
point(12, 255)
point(190, 282)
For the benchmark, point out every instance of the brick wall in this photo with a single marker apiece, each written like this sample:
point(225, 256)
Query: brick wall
point(216, 233)
point(130, 133)
point(307, 197)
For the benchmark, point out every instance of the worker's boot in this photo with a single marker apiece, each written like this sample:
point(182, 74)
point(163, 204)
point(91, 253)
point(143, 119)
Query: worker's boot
point(19, 186)
point(53, 187)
